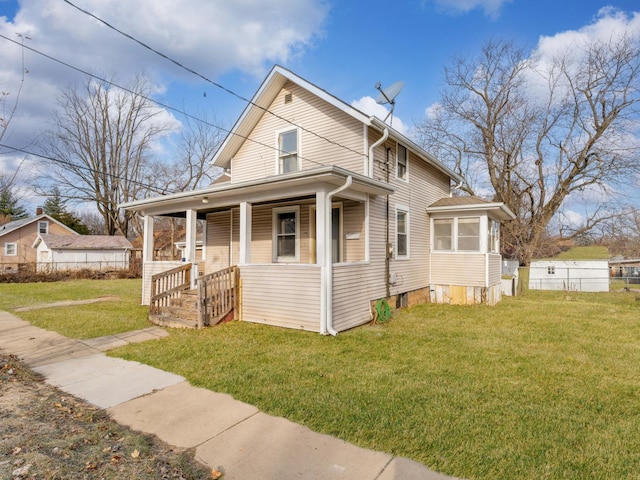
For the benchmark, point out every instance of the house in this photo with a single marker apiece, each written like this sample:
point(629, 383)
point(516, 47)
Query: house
point(78, 252)
point(572, 271)
point(627, 269)
point(325, 213)
point(17, 237)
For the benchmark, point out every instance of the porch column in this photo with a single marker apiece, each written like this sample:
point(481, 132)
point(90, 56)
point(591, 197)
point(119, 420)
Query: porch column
point(190, 247)
point(245, 233)
point(147, 239)
point(321, 254)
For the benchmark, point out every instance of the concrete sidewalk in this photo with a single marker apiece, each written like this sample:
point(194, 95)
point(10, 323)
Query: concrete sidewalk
point(230, 436)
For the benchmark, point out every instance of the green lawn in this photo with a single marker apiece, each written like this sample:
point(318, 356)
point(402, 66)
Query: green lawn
point(545, 385)
point(79, 321)
point(541, 386)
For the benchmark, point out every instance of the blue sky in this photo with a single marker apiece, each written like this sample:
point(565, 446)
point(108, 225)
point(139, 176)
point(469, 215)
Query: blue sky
point(344, 47)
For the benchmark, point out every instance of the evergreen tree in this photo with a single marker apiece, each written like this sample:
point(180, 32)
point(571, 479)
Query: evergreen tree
point(9, 206)
point(56, 207)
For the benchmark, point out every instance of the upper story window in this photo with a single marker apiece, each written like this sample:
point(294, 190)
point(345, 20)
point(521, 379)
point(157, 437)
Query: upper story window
point(286, 234)
point(402, 234)
point(11, 249)
point(402, 163)
point(43, 226)
point(288, 151)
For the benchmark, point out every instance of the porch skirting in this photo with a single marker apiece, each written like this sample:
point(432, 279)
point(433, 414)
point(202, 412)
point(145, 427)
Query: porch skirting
point(281, 295)
point(462, 295)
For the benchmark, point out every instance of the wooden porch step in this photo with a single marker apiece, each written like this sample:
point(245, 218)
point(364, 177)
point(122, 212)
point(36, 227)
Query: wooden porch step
point(164, 320)
point(185, 313)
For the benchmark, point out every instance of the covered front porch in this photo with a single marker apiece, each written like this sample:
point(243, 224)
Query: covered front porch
point(291, 238)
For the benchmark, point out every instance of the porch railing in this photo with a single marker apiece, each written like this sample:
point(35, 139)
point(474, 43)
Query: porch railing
point(217, 295)
point(168, 285)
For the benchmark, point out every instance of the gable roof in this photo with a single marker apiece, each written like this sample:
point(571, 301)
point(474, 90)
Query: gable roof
point(16, 224)
point(468, 203)
point(83, 242)
point(266, 94)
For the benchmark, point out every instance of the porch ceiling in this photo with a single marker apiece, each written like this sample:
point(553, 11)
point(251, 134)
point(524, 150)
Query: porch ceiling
point(276, 187)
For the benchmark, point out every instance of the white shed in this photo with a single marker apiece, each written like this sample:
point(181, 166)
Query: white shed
point(77, 252)
point(570, 275)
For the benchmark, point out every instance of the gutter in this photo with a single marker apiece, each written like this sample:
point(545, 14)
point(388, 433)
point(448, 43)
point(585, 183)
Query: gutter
point(326, 281)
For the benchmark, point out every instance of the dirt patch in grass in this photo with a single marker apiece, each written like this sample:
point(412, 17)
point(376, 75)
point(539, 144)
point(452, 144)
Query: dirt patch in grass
point(48, 434)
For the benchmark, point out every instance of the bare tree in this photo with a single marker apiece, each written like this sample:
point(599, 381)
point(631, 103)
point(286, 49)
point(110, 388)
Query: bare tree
point(539, 131)
point(199, 141)
point(101, 138)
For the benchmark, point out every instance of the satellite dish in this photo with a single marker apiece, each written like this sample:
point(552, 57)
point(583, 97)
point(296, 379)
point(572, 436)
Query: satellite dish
point(388, 95)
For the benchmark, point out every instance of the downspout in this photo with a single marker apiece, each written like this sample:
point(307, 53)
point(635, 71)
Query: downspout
point(385, 135)
point(387, 246)
point(326, 325)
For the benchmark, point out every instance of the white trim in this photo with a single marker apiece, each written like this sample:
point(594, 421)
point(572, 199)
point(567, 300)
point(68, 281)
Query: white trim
point(274, 234)
point(15, 249)
point(298, 148)
point(313, 231)
point(405, 210)
point(406, 173)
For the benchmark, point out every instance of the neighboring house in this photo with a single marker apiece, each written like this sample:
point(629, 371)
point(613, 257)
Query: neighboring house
point(626, 268)
point(17, 237)
point(570, 272)
point(326, 211)
point(94, 252)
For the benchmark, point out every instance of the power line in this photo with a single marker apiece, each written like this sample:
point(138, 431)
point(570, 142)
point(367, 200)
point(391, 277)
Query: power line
point(83, 167)
point(161, 104)
point(208, 80)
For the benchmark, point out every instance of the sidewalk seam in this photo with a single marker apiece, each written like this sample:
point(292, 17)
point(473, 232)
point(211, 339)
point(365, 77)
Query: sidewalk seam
point(227, 429)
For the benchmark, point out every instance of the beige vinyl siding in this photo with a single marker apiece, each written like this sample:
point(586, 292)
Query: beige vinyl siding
point(353, 225)
point(425, 185)
point(257, 157)
point(262, 232)
point(149, 269)
point(495, 269)
point(466, 269)
point(351, 295)
point(267, 295)
point(218, 241)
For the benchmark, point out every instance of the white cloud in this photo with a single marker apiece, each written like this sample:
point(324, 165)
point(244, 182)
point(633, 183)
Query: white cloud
point(213, 38)
point(369, 106)
point(491, 7)
point(609, 25)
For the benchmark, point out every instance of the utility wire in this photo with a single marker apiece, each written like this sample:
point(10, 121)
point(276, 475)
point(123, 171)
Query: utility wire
point(208, 80)
point(83, 167)
point(164, 105)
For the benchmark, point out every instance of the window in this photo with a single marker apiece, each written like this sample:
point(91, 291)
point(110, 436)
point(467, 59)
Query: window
point(493, 236)
point(551, 270)
point(286, 234)
point(43, 227)
point(288, 151)
point(469, 234)
point(402, 234)
point(443, 234)
point(401, 162)
point(11, 249)
point(456, 234)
